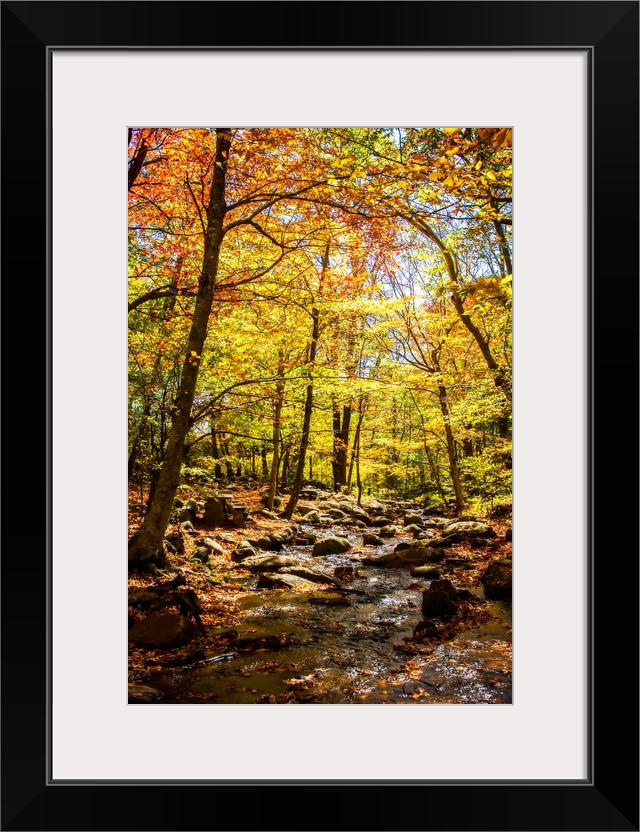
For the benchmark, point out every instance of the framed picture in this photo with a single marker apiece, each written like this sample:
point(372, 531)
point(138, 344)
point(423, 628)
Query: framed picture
point(564, 77)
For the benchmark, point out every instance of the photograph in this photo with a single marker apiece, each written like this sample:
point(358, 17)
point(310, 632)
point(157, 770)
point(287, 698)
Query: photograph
point(319, 415)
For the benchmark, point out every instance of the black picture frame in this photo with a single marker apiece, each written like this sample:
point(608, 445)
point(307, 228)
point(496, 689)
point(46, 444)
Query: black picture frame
point(608, 799)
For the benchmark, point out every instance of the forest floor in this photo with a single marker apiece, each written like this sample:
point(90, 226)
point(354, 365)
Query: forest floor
point(360, 642)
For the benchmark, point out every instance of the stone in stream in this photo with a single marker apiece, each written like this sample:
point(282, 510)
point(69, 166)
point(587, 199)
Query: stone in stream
point(329, 600)
point(412, 518)
point(336, 513)
point(304, 508)
point(437, 604)
point(497, 579)
point(426, 572)
point(379, 521)
point(163, 630)
point(243, 551)
point(379, 560)
point(268, 563)
point(313, 575)
point(312, 517)
point(444, 585)
point(271, 580)
point(370, 539)
point(143, 693)
point(331, 546)
point(414, 529)
point(390, 531)
point(305, 539)
point(417, 554)
point(468, 529)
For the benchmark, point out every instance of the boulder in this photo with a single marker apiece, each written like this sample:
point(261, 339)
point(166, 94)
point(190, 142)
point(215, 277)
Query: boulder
point(312, 516)
point(305, 539)
point(268, 563)
point(211, 544)
point(426, 572)
point(469, 529)
point(437, 604)
point(390, 531)
point(201, 554)
point(313, 575)
point(143, 693)
point(374, 507)
point(242, 551)
point(411, 518)
point(379, 521)
point(497, 580)
point(304, 508)
point(413, 529)
point(444, 586)
point(336, 514)
point(345, 572)
point(331, 546)
point(163, 630)
point(370, 539)
point(271, 580)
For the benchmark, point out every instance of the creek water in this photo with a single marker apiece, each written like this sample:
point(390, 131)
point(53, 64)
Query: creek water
point(348, 654)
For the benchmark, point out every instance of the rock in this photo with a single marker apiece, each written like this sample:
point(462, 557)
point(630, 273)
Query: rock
point(370, 539)
point(304, 508)
point(414, 529)
point(379, 521)
point(330, 546)
point(436, 604)
point(465, 593)
point(379, 560)
point(176, 539)
point(270, 580)
point(268, 563)
point(390, 531)
point(143, 693)
point(374, 507)
point(410, 519)
point(466, 563)
point(277, 501)
point(345, 571)
point(508, 535)
point(201, 554)
point(264, 512)
point(336, 514)
point(404, 544)
point(435, 522)
point(426, 572)
point(187, 526)
point(329, 600)
point(242, 551)
point(163, 630)
point(444, 586)
point(211, 544)
point(266, 544)
point(469, 528)
point(313, 575)
point(305, 538)
point(497, 580)
point(417, 554)
point(228, 538)
point(312, 516)
point(178, 503)
point(356, 512)
point(169, 549)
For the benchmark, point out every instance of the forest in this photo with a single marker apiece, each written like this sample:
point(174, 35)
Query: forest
point(319, 413)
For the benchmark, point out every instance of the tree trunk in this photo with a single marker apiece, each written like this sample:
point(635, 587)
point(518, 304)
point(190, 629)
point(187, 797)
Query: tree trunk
point(356, 441)
point(340, 445)
point(145, 545)
point(451, 446)
point(263, 458)
point(217, 471)
point(277, 415)
point(306, 421)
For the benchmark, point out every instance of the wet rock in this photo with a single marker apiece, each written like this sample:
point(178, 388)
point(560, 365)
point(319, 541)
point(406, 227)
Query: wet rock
point(435, 522)
point(437, 604)
point(314, 575)
point(243, 551)
point(211, 544)
point(390, 531)
point(329, 600)
point(304, 508)
point(345, 572)
point(312, 517)
point(469, 529)
point(416, 554)
point(374, 507)
point(201, 554)
point(356, 512)
point(370, 539)
point(411, 518)
point(444, 586)
point(379, 521)
point(414, 529)
point(163, 630)
point(143, 693)
point(331, 546)
point(268, 563)
point(271, 580)
point(336, 514)
point(379, 560)
point(497, 580)
point(426, 572)
point(465, 594)
point(305, 539)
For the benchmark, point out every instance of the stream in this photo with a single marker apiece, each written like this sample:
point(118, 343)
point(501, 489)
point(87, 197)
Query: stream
point(348, 653)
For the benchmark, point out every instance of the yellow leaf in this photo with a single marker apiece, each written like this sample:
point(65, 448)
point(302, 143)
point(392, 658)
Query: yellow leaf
point(490, 174)
point(434, 176)
point(450, 129)
point(479, 164)
point(452, 150)
point(332, 181)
